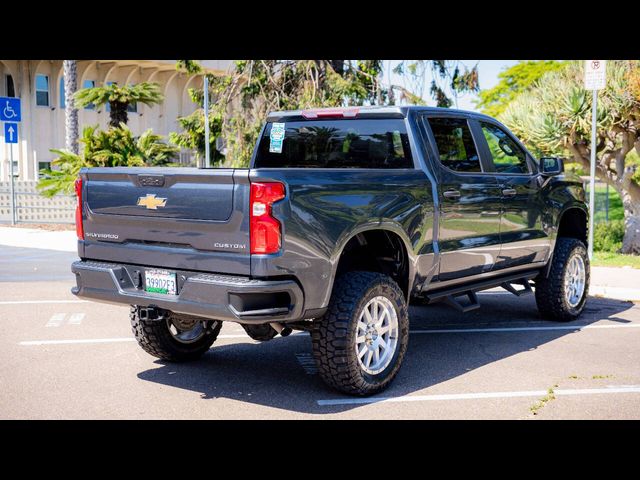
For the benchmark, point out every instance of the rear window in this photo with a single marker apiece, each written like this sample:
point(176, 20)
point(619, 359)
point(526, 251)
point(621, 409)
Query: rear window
point(353, 143)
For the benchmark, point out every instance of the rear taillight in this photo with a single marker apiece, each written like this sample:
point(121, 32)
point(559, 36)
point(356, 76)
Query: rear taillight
point(265, 230)
point(79, 226)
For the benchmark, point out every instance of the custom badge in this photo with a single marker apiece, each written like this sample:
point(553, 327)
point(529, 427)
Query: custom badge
point(277, 137)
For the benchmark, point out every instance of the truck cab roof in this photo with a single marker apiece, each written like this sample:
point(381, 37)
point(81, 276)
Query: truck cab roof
point(392, 111)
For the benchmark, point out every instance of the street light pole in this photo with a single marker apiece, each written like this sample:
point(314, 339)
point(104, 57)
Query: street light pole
point(207, 157)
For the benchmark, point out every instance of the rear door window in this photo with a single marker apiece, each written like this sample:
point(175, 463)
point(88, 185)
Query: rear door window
point(456, 148)
point(350, 143)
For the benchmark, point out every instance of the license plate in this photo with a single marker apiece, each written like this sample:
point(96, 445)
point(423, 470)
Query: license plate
point(160, 281)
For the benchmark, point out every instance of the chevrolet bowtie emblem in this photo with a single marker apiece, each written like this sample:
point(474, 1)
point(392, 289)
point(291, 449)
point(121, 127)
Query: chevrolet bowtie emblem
point(151, 201)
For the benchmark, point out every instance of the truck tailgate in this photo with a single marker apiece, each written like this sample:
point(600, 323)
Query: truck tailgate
point(182, 218)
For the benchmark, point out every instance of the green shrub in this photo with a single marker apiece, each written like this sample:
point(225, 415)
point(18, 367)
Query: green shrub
point(607, 237)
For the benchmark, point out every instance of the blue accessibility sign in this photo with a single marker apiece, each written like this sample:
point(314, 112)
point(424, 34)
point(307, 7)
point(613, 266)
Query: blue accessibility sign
point(10, 109)
point(11, 133)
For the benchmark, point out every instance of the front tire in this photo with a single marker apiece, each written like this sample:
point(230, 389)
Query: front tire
point(562, 295)
point(359, 344)
point(175, 337)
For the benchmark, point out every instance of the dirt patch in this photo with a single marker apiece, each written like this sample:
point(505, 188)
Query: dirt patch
point(51, 227)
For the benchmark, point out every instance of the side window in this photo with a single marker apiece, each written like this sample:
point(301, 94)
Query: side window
point(507, 156)
point(455, 144)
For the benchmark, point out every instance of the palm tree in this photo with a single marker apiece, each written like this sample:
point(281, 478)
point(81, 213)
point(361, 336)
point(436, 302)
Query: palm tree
point(70, 112)
point(119, 98)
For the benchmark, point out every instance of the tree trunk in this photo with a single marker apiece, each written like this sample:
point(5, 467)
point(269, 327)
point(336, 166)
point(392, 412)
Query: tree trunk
point(631, 204)
point(71, 112)
point(118, 114)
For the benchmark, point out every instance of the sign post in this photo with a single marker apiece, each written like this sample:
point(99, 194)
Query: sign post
point(595, 78)
point(207, 147)
point(10, 112)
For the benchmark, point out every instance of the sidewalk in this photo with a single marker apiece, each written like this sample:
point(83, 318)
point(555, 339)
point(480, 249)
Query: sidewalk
point(64, 241)
point(616, 283)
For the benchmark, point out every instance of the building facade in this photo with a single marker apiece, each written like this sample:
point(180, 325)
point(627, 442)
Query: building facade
point(40, 86)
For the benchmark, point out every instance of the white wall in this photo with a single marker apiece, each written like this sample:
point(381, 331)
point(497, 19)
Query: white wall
point(42, 128)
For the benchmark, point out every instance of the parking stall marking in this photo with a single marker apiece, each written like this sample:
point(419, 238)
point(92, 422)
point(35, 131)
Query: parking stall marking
point(55, 320)
point(36, 302)
point(418, 332)
point(75, 319)
point(479, 395)
point(307, 363)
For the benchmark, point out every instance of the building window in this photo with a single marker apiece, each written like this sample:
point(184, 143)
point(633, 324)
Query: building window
point(43, 166)
point(9, 87)
point(42, 90)
point(62, 102)
point(89, 84)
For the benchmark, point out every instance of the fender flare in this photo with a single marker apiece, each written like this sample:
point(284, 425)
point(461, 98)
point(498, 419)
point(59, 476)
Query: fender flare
point(387, 225)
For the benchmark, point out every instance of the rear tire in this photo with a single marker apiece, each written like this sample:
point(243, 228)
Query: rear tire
point(562, 295)
point(168, 338)
point(346, 339)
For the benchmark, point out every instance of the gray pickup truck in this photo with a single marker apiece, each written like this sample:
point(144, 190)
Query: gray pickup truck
point(343, 217)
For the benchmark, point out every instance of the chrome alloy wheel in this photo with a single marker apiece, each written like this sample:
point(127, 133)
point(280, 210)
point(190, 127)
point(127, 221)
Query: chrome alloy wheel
point(185, 330)
point(377, 335)
point(574, 280)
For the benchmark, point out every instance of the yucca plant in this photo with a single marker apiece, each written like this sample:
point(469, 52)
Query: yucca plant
point(554, 118)
point(119, 98)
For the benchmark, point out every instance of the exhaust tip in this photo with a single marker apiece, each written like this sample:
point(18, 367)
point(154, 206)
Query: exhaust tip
point(286, 331)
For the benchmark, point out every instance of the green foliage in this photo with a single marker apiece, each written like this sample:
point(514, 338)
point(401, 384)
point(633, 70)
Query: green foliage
point(607, 237)
point(119, 98)
point(512, 82)
point(190, 66)
point(446, 76)
point(556, 112)
point(116, 147)
point(242, 99)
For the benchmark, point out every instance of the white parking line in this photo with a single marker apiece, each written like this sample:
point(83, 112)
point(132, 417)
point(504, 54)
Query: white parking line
point(527, 329)
point(479, 395)
point(451, 330)
point(89, 340)
point(31, 343)
point(36, 302)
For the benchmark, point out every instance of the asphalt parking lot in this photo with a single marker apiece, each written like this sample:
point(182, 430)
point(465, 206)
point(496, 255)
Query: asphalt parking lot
point(62, 358)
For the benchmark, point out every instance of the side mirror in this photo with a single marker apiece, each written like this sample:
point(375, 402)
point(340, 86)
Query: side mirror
point(551, 165)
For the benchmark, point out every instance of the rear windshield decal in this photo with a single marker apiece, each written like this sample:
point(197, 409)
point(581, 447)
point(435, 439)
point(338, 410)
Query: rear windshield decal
point(277, 137)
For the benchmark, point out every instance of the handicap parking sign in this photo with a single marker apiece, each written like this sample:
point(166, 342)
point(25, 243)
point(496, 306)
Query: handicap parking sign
point(10, 109)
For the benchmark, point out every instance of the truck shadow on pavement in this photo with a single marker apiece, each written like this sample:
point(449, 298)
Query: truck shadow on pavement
point(280, 373)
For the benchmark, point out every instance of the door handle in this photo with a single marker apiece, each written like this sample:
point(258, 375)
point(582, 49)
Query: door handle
point(509, 192)
point(451, 194)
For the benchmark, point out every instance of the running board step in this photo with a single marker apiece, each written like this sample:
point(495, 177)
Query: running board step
point(509, 287)
point(453, 301)
point(451, 296)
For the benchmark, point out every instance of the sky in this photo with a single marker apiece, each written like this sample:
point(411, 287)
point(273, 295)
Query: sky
point(488, 71)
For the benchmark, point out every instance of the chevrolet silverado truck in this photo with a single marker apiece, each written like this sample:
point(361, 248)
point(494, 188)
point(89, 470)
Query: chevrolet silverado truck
point(343, 217)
